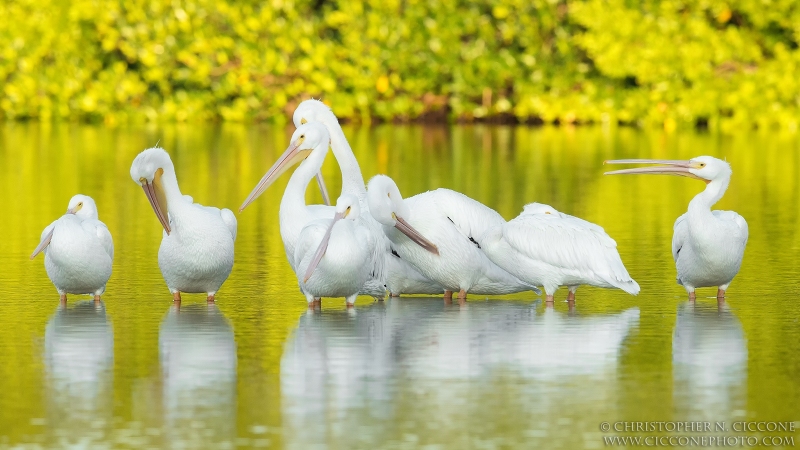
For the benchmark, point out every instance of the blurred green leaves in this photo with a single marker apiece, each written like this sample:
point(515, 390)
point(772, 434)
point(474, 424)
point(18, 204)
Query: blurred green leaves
point(666, 63)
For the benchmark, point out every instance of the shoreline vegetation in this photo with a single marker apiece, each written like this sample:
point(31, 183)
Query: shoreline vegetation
point(696, 63)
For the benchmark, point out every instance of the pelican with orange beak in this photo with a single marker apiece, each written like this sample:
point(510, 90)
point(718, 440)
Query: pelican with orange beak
point(707, 245)
point(196, 253)
point(333, 256)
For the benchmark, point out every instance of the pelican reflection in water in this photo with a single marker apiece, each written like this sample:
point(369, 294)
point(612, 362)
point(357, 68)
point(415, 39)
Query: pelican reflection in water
point(78, 362)
point(709, 362)
point(445, 366)
point(197, 352)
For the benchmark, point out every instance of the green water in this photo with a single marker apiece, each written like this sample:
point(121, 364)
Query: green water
point(259, 370)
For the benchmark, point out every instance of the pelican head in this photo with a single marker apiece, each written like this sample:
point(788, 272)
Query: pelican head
point(346, 208)
point(387, 207)
point(306, 138)
point(148, 170)
point(313, 111)
point(705, 168)
point(82, 206)
point(539, 208)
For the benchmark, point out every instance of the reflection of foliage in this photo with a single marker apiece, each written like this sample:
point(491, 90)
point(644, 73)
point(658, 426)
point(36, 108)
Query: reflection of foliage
point(663, 62)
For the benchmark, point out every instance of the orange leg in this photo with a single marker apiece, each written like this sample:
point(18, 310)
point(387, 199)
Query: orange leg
point(571, 296)
point(720, 293)
point(176, 297)
point(317, 302)
point(210, 298)
point(63, 299)
point(392, 294)
point(549, 299)
point(692, 296)
point(462, 297)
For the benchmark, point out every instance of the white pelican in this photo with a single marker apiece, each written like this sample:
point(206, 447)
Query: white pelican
point(333, 256)
point(309, 146)
point(547, 248)
point(196, 253)
point(78, 250)
point(399, 276)
point(449, 221)
point(707, 245)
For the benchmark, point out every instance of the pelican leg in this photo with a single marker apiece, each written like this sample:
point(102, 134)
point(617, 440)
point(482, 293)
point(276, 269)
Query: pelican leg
point(720, 293)
point(692, 296)
point(448, 297)
point(571, 296)
point(210, 298)
point(318, 302)
point(62, 299)
point(392, 294)
point(549, 299)
point(351, 301)
point(462, 297)
point(176, 296)
point(571, 305)
point(97, 299)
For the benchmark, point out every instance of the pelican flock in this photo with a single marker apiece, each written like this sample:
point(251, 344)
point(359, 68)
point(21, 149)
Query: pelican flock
point(374, 240)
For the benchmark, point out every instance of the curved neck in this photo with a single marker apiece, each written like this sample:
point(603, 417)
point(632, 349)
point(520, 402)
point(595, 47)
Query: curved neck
point(294, 197)
point(352, 180)
point(701, 204)
point(171, 190)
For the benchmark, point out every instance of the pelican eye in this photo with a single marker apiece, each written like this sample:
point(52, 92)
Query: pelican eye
point(303, 121)
point(80, 204)
point(702, 165)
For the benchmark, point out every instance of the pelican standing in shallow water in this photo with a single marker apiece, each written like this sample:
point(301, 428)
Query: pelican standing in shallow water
point(333, 256)
point(547, 248)
point(707, 245)
point(78, 250)
point(397, 275)
point(196, 253)
point(436, 232)
point(309, 146)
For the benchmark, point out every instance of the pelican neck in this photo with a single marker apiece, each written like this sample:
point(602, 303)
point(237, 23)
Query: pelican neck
point(295, 193)
point(171, 189)
point(700, 206)
point(352, 180)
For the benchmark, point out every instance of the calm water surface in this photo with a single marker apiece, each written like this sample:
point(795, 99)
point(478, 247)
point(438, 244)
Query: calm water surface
point(258, 370)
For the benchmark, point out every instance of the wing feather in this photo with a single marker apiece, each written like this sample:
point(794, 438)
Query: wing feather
point(568, 243)
point(679, 233)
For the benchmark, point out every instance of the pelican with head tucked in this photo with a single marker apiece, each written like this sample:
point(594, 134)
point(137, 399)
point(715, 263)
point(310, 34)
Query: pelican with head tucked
point(436, 232)
point(78, 250)
point(547, 248)
point(196, 253)
point(333, 256)
point(707, 245)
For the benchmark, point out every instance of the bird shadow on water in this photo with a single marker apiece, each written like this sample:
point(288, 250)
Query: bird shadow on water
point(709, 362)
point(416, 368)
point(79, 358)
point(198, 360)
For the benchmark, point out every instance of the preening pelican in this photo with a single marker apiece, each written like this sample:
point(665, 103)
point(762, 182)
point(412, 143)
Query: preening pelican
point(396, 274)
point(707, 245)
point(435, 231)
point(333, 256)
point(78, 250)
point(196, 253)
point(309, 146)
point(547, 248)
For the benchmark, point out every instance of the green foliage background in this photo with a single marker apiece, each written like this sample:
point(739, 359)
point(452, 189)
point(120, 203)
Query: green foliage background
point(670, 63)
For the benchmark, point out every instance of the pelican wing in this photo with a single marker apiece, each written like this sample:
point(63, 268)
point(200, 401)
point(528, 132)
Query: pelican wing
point(44, 239)
point(568, 243)
point(471, 217)
point(309, 241)
point(230, 220)
point(99, 229)
point(732, 219)
point(680, 231)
